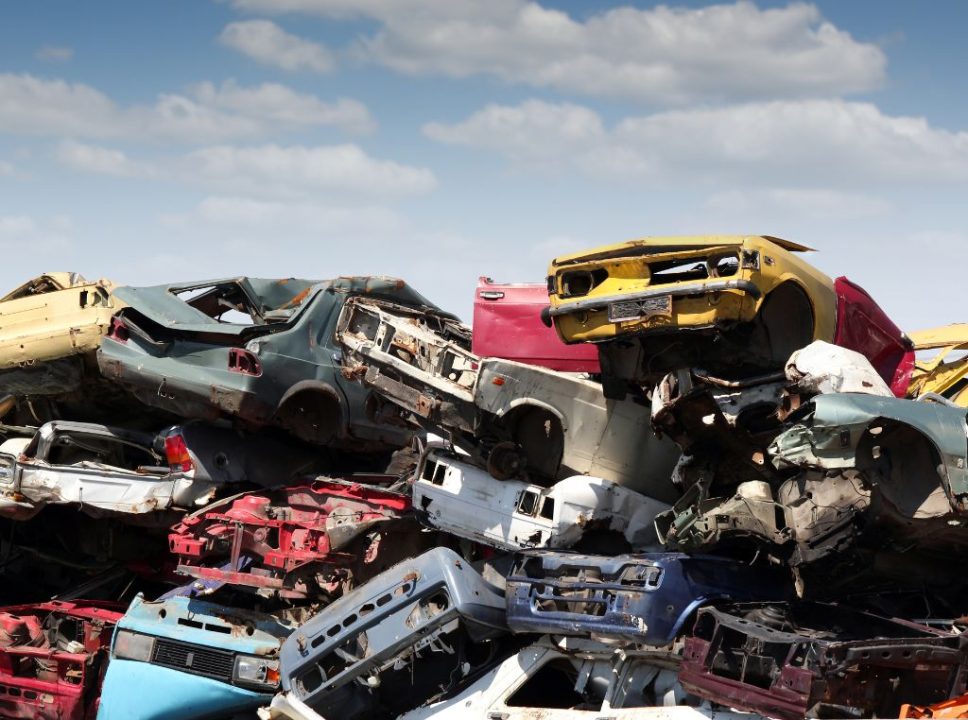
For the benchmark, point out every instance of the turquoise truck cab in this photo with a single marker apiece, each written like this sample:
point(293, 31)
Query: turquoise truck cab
point(185, 658)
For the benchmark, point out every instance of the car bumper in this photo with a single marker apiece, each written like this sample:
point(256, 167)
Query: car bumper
point(150, 692)
point(691, 305)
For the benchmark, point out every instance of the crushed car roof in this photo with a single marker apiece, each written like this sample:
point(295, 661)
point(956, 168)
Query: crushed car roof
point(282, 297)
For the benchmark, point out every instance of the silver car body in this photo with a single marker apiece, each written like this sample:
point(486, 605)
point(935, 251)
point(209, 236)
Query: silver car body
point(29, 482)
point(130, 474)
point(394, 620)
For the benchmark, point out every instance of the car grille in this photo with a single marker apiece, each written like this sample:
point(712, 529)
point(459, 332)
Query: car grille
point(217, 664)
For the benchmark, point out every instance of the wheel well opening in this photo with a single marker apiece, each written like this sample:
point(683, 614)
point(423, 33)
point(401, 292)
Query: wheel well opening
point(907, 467)
point(313, 415)
point(785, 322)
point(540, 435)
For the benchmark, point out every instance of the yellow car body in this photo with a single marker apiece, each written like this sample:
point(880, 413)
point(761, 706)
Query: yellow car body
point(669, 292)
point(55, 316)
point(939, 374)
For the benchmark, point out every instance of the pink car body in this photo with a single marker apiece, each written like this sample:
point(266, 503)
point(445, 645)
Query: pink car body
point(507, 325)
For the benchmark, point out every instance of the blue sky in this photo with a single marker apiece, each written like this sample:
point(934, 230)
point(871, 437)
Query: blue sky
point(439, 141)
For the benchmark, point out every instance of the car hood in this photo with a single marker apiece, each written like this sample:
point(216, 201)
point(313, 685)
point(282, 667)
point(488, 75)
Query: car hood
point(655, 245)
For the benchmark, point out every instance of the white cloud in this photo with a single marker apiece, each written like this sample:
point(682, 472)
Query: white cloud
point(533, 132)
point(6, 169)
point(291, 173)
point(252, 221)
point(99, 160)
point(267, 43)
point(662, 54)
point(303, 172)
point(280, 105)
point(780, 143)
point(54, 53)
point(35, 106)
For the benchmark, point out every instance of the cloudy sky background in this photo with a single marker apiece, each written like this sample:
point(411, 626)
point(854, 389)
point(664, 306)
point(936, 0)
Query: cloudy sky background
point(439, 141)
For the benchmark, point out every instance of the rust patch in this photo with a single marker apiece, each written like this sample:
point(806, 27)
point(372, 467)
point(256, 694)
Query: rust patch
point(297, 299)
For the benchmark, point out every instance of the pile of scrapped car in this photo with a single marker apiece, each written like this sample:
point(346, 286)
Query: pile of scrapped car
point(688, 478)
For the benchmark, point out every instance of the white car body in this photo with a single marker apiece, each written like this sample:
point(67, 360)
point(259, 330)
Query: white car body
point(28, 484)
point(464, 500)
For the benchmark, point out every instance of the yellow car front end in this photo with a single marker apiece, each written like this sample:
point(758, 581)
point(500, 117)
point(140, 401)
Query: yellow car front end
point(707, 301)
point(667, 284)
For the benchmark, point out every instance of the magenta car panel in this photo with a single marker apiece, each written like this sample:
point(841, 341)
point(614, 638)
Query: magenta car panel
point(507, 324)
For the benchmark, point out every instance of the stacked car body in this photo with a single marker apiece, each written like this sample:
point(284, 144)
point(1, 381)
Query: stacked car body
point(685, 478)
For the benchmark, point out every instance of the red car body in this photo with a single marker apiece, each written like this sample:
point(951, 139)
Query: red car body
point(295, 541)
point(507, 325)
point(52, 658)
point(864, 327)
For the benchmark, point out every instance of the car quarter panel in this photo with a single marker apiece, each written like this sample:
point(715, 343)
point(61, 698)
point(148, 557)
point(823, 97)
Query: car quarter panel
point(610, 439)
point(55, 324)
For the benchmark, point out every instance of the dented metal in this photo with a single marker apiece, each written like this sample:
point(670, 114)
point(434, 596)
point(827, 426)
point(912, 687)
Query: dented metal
point(508, 325)
point(412, 621)
point(116, 471)
point(945, 373)
point(190, 659)
point(856, 485)
point(49, 327)
point(555, 424)
point(455, 496)
point(52, 658)
point(630, 598)
point(312, 540)
point(816, 660)
point(740, 409)
point(259, 350)
point(655, 304)
point(572, 679)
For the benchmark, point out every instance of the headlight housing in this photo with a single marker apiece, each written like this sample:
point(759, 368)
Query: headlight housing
point(256, 672)
point(133, 646)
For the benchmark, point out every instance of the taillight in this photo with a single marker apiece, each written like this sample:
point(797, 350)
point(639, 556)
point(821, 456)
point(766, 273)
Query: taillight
point(242, 361)
point(118, 330)
point(179, 459)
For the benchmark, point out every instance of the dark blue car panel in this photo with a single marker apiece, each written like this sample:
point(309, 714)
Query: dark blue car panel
point(642, 598)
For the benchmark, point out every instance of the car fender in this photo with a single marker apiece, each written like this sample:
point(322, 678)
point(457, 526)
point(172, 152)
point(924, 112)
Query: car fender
point(534, 403)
